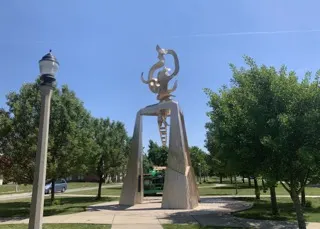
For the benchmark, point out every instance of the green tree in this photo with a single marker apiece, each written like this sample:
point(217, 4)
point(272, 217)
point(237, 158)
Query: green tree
point(68, 133)
point(199, 161)
point(112, 145)
point(158, 155)
point(147, 164)
point(24, 108)
point(268, 119)
point(69, 138)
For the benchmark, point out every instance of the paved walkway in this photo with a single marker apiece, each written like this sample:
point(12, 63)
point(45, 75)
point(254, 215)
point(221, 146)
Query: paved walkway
point(149, 215)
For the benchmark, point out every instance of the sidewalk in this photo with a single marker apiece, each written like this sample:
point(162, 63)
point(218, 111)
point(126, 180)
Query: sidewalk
point(149, 215)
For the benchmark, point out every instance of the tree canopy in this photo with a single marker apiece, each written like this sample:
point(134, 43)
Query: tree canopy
point(77, 141)
point(266, 124)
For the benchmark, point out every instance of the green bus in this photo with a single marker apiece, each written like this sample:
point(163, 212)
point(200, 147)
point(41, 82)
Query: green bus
point(153, 183)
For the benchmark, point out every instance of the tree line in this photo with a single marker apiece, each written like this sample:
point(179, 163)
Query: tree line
point(79, 143)
point(157, 156)
point(266, 124)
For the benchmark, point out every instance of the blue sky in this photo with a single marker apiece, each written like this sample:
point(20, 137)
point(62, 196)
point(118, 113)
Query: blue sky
point(103, 46)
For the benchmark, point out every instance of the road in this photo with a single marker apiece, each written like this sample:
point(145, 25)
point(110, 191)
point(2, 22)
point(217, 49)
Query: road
point(28, 194)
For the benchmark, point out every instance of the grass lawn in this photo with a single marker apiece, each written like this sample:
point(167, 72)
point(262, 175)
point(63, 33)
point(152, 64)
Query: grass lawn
point(244, 189)
point(11, 188)
point(58, 226)
point(72, 185)
point(64, 205)
point(192, 226)
point(116, 191)
point(262, 210)
point(207, 189)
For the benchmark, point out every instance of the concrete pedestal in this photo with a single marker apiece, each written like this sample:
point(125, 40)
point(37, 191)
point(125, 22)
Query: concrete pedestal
point(180, 188)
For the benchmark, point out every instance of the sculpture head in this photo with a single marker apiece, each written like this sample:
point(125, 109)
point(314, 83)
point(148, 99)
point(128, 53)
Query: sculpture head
point(163, 73)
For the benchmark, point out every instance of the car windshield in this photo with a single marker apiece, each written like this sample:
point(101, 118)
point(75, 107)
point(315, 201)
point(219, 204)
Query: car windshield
point(48, 182)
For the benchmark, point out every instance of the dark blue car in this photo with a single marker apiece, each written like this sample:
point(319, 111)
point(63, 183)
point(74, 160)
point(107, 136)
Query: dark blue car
point(60, 186)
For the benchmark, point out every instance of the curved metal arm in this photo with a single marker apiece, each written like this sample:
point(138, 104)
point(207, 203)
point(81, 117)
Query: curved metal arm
point(176, 62)
point(143, 80)
point(156, 66)
point(173, 88)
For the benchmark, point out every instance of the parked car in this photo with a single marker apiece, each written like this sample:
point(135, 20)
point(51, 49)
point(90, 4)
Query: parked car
point(60, 186)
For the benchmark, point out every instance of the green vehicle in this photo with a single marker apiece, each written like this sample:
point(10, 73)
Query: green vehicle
point(153, 183)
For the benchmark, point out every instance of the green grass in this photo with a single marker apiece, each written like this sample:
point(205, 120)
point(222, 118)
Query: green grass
point(73, 185)
point(58, 226)
point(207, 189)
point(114, 191)
point(11, 188)
point(191, 226)
point(64, 205)
point(244, 189)
point(262, 210)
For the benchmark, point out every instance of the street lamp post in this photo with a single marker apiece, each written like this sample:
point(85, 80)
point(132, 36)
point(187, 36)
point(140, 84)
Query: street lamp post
point(200, 172)
point(48, 68)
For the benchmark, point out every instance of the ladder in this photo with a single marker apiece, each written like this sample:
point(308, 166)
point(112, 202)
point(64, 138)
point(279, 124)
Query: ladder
point(163, 135)
point(162, 123)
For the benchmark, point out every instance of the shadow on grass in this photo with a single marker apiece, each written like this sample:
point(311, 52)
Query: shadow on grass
point(233, 187)
point(262, 210)
point(114, 188)
point(215, 220)
point(65, 205)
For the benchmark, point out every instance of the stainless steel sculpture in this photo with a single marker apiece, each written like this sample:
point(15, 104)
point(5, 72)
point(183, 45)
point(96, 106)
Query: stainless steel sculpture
point(180, 189)
point(159, 85)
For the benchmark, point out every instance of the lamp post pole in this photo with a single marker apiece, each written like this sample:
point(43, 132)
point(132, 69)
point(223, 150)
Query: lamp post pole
point(48, 67)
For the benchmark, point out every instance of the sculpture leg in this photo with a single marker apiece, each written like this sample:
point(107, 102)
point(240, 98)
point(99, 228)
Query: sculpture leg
point(192, 175)
point(180, 188)
point(132, 189)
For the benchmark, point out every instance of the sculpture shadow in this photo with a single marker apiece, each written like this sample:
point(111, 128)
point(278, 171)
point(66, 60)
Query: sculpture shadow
point(226, 221)
point(219, 219)
point(112, 207)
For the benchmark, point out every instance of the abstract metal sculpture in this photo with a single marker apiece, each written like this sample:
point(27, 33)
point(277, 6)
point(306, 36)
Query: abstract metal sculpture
point(180, 190)
point(159, 85)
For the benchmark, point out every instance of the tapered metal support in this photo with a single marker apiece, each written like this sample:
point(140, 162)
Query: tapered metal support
point(36, 211)
point(180, 189)
point(132, 190)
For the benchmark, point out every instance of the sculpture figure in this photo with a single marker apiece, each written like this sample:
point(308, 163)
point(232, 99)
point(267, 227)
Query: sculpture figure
point(159, 84)
point(180, 189)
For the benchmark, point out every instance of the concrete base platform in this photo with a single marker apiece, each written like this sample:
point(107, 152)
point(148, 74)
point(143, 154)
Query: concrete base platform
point(151, 206)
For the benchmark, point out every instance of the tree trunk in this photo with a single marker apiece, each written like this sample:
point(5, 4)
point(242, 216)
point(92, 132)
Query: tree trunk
point(303, 197)
point(249, 181)
point(274, 204)
point(298, 208)
point(53, 184)
point(231, 181)
point(264, 187)
point(243, 179)
point(220, 179)
point(235, 180)
point(256, 189)
point(100, 186)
